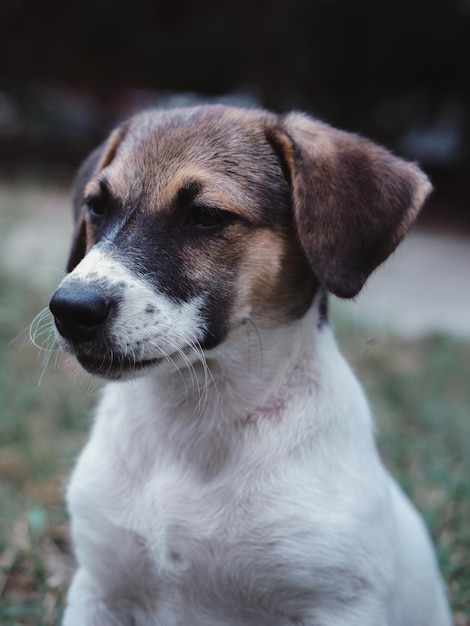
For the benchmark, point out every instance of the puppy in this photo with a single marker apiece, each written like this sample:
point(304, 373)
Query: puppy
point(231, 477)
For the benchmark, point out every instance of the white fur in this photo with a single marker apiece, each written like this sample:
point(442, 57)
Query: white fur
point(140, 334)
point(243, 490)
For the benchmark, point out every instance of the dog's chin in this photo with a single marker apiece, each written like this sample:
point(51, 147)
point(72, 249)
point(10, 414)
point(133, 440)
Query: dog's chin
point(117, 367)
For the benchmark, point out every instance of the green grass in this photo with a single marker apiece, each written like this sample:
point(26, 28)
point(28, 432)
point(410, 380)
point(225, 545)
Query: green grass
point(420, 394)
point(419, 390)
point(41, 431)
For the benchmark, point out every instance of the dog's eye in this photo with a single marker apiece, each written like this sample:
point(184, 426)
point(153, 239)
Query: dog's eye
point(206, 217)
point(96, 206)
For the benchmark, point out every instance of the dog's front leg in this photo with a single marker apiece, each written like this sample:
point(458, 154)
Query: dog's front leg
point(85, 607)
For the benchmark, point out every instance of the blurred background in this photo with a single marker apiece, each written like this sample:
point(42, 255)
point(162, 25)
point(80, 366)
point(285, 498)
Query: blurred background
point(397, 72)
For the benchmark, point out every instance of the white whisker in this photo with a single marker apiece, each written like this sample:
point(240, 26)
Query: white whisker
point(42, 325)
point(169, 358)
point(250, 324)
point(54, 268)
point(41, 335)
point(45, 365)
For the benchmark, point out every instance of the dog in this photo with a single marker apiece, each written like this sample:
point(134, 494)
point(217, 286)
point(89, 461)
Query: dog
point(231, 477)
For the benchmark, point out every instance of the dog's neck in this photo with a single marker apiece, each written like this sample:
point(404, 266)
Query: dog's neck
point(260, 385)
point(249, 374)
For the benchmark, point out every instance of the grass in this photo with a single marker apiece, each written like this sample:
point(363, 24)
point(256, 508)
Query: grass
point(41, 431)
point(419, 391)
point(420, 395)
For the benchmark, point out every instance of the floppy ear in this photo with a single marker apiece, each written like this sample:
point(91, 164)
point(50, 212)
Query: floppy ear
point(353, 201)
point(95, 162)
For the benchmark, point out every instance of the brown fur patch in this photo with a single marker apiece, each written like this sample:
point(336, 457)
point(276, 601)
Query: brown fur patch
point(275, 280)
point(86, 183)
point(112, 145)
point(353, 200)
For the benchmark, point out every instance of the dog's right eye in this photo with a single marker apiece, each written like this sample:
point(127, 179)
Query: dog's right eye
point(208, 218)
point(96, 206)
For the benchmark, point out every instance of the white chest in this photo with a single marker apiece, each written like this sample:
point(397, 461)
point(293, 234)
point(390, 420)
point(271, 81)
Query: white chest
point(259, 541)
point(222, 551)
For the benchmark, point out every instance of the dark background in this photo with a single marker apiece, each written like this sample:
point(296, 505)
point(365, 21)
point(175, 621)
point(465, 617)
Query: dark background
point(397, 72)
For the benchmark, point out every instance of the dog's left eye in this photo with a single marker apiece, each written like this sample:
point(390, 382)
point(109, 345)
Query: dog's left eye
point(205, 217)
point(96, 206)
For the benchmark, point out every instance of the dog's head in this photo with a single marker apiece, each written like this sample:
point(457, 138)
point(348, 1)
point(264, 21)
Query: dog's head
point(190, 222)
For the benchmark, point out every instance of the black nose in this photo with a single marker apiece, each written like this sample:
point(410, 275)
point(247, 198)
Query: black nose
point(79, 311)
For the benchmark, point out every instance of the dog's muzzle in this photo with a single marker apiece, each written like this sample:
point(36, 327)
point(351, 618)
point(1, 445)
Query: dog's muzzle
point(83, 315)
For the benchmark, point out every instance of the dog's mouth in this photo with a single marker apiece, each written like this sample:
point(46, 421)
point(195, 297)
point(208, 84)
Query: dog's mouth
point(116, 366)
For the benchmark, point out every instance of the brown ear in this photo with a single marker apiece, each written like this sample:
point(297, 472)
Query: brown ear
point(353, 201)
point(95, 162)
